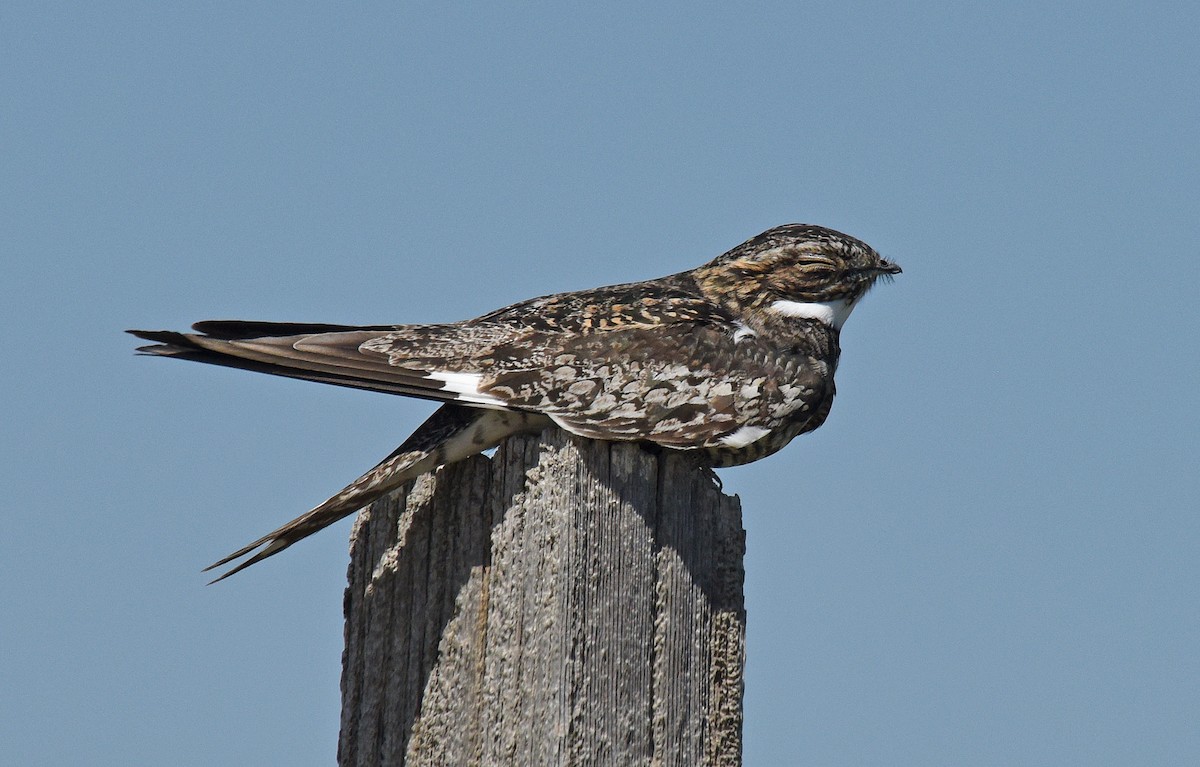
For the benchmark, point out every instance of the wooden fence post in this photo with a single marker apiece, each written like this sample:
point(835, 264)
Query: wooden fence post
point(566, 602)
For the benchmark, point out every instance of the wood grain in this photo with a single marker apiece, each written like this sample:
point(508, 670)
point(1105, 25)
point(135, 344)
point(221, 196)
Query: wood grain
point(566, 602)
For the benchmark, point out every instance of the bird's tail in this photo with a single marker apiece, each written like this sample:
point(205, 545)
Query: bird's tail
point(451, 434)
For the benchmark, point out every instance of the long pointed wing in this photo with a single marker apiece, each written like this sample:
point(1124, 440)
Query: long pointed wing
point(683, 384)
point(328, 354)
point(447, 362)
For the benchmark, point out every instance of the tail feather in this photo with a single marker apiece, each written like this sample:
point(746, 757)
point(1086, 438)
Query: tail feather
point(451, 434)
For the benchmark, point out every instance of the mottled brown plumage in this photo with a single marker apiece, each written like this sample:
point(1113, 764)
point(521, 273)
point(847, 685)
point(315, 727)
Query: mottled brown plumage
point(729, 361)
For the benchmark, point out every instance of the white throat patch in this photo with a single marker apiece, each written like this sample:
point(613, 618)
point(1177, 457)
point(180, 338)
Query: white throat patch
point(831, 313)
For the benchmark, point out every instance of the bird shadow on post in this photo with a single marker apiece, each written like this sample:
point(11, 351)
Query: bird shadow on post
point(565, 602)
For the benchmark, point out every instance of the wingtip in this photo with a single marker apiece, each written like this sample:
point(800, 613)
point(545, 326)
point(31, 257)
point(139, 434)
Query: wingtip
point(243, 551)
point(166, 342)
point(273, 546)
point(222, 577)
point(155, 350)
point(231, 571)
point(146, 335)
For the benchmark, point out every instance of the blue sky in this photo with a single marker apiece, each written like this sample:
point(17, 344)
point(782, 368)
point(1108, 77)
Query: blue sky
point(989, 555)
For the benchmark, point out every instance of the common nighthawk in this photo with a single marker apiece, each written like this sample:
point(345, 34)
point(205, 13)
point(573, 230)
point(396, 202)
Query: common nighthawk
point(729, 360)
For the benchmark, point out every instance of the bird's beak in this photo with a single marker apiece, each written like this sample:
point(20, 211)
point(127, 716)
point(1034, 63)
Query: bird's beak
point(887, 267)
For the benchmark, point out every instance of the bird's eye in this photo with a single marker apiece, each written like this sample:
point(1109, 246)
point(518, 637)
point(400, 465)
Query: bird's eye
point(821, 271)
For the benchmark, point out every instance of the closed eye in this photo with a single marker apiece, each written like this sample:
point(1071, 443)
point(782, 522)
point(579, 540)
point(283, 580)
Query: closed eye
point(821, 271)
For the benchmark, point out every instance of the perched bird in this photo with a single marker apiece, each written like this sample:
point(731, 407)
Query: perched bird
point(729, 361)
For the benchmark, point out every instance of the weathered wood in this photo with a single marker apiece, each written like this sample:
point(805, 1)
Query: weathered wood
point(566, 602)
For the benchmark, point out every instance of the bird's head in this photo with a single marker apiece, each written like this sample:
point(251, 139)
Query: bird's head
point(796, 270)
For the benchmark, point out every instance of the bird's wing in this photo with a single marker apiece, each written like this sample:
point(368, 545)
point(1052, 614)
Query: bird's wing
point(343, 356)
point(443, 362)
point(640, 362)
point(682, 386)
